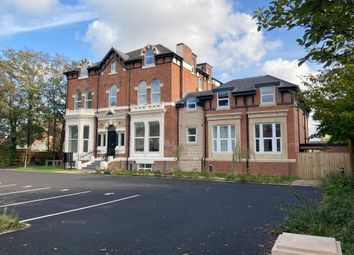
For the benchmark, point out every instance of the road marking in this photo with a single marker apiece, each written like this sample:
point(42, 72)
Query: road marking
point(46, 198)
point(108, 193)
point(27, 186)
point(79, 209)
point(7, 185)
point(23, 191)
point(64, 190)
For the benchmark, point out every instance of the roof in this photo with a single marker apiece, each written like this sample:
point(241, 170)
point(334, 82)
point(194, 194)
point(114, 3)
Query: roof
point(136, 54)
point(248, 85)
point(129, 56)
point(201, 95)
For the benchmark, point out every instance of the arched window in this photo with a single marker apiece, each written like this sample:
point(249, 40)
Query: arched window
point(142, 95)
point(88, 99)
point(78, 97)
point(113, 96)
point(149, 58)
point(83, 71)
point(191, 102)
point(155, 92)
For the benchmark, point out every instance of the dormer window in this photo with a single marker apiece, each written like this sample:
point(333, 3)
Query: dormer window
point(149, 58)
point(223, 99)
point(113, 68)
point(191, 103)
point(84, 71)
point(268, 95)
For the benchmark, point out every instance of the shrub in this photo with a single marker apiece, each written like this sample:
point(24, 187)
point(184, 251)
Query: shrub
point(9, 222)
point(333, 216)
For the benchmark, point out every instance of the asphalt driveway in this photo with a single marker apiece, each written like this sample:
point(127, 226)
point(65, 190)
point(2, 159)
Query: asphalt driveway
point(98, 214)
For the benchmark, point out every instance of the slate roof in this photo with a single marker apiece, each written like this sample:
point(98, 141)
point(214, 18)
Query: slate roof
point(250, 84)
point(136, 54)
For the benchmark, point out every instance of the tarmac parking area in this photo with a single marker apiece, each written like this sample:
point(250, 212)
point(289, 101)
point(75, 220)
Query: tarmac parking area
point(98, 214)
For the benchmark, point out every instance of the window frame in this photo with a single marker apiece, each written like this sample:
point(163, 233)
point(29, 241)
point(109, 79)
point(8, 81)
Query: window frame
point(85, 140)
point(114, 96)
point(139, 137)
point(274, 138)
point(77, 101)
point(144, 167)
point(146, 138)
point(88, 100)
point(113, 70)
point(189, 135)
point(101, 139)
point(200, 84)
point(191, 103)
point(142, 93)
point(267, 94)
point(120, 140)
point(150, 57)
point(223, 99)
point(84, 74)
point(157, 84)
point(72, 139)
point(218, 139)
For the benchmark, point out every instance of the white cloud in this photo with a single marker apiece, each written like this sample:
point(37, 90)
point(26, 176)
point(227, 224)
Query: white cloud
point(218, 34)
point(21, 16)
point(287, 70)
point(101, 36)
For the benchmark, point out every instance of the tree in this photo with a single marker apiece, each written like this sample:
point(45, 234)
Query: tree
point(54, 97)
point(238, 156)
point(32, 94)
point(328, 27)
point(328, 40)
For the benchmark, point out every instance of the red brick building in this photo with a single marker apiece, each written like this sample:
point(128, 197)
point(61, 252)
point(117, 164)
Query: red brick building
point(133, 110)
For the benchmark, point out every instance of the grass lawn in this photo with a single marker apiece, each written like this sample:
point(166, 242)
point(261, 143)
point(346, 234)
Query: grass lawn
point(41, 168)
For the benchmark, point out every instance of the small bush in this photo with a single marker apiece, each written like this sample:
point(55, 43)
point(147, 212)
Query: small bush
point(9, 222)
point(333, 216)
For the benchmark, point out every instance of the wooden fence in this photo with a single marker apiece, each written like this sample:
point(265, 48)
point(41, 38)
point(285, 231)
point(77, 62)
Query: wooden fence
point(315, 165)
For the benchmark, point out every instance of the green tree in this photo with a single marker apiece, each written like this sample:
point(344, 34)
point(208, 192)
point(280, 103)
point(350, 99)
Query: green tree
point(54, 97)
point(328, 27)
point(328, 39)
point(32, 94)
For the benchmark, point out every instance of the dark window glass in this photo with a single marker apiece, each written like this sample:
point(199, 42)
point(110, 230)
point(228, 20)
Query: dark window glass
point(268, 145)
point(267, 130)
point(277, 130)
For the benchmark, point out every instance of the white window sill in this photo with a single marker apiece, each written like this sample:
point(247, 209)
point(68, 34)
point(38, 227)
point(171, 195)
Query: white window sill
point(269, 153)
point(189, 143)
point(83, 78)
point(267, 104)
point(148, 66)
point(222, 108)
point(112, 73)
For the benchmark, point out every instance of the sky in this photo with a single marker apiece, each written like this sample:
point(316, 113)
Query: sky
point(220, 32)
